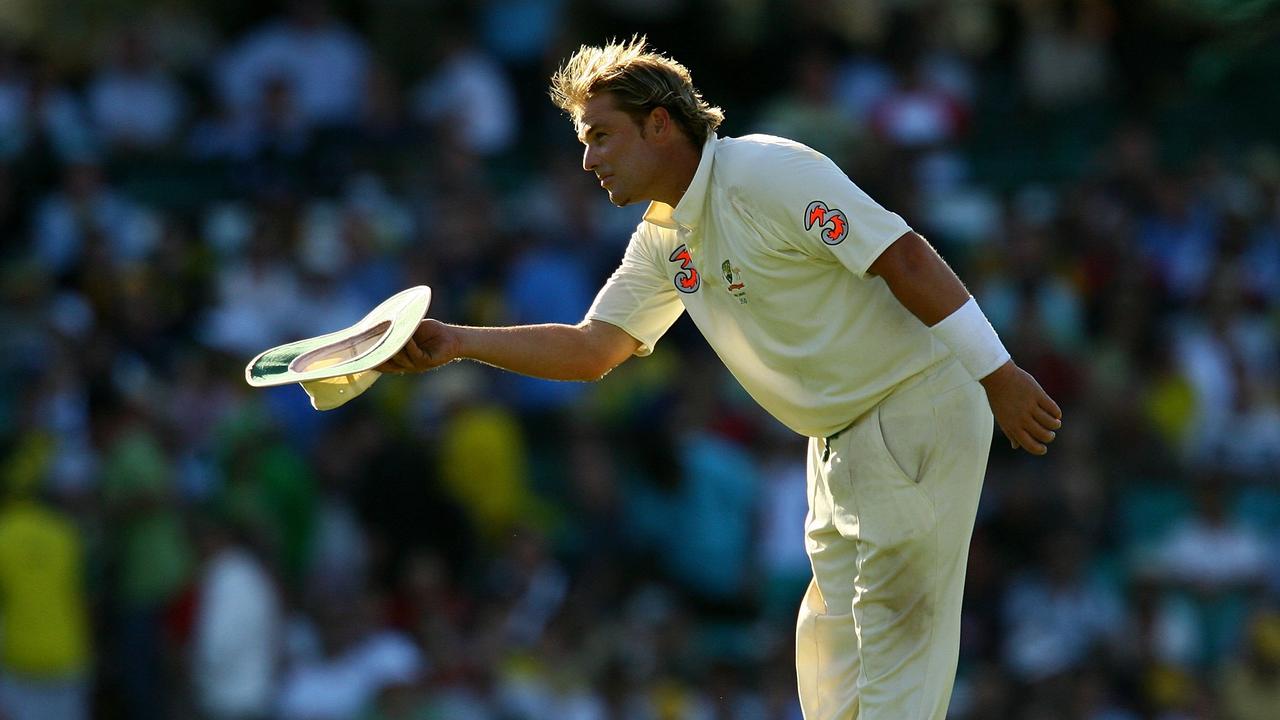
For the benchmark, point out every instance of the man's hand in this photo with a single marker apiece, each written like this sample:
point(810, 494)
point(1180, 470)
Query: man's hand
point(433, 344)
point(1028, 416)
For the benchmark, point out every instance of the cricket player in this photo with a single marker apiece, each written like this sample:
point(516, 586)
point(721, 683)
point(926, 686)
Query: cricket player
point(840, 321)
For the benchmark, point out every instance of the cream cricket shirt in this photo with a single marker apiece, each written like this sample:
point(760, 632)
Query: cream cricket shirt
point(768, 252)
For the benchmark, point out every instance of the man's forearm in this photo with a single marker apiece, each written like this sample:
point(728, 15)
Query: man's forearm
point(920, 279)
point(552, 351)
point(925, 285)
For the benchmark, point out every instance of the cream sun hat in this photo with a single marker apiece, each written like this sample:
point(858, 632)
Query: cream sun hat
point(336, 367)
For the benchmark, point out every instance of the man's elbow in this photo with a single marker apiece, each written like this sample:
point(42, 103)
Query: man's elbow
point(597, 368)
point(604, 348)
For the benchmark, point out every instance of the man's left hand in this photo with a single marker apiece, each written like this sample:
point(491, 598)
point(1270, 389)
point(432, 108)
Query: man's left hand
point(1026, 414)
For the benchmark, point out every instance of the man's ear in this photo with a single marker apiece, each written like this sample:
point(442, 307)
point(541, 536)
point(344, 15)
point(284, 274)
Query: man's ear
point(660, 123)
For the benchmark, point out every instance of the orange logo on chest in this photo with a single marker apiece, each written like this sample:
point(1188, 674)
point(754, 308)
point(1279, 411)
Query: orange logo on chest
point(687, 279)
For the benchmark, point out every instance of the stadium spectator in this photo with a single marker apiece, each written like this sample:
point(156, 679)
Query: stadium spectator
point(918, 113)
point(257, 294)
point(1064, 60)
point(310, 55)
point(467, 97)
point(46, 663)
point(133, 103)
point(152, 561)
point(1058, 617)
point(357, 659)
point(1228, 355)
point(39, 114)
point(238, 635)
point(88, 218)
point(1215, 562)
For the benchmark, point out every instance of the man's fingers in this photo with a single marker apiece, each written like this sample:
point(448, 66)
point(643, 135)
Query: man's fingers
point(1043, 434)
point(413, 351)
point(410, 359)
point(1030, 444)
point(1046, 420)
point(1050, 406)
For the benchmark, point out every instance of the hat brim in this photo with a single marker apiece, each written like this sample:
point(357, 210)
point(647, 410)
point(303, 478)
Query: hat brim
point(361, 347)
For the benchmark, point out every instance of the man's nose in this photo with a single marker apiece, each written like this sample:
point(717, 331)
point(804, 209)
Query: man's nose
point(589, 161)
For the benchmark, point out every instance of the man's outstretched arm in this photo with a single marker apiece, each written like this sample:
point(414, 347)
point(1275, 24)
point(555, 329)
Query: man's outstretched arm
point(586, 351)
point(926, 286)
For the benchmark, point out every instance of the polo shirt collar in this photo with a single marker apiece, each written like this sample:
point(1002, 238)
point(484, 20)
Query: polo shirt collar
point(688, 211)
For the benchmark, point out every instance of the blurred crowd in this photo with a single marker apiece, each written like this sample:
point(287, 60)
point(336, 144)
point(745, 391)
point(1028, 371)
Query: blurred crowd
point(184, 184)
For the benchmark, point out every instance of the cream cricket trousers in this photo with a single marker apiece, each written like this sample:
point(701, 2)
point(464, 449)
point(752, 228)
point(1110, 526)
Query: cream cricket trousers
point(892, 502)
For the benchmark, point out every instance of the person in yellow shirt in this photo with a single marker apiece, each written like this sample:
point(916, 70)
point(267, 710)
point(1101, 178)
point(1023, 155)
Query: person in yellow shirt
point(840, 320)
point(44, 627)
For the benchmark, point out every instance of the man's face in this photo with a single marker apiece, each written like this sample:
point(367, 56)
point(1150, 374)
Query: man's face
point(618, 151)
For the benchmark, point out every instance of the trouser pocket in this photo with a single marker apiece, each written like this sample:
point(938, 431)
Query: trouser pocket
point(908, 430)
point(875, 500)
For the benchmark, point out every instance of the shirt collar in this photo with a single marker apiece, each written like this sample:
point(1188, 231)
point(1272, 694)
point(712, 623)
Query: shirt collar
point(687, 212)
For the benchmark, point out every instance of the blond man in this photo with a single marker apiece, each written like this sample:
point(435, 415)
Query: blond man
point(840, 321)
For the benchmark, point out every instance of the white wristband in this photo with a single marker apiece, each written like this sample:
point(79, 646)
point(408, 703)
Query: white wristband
point(970, 336)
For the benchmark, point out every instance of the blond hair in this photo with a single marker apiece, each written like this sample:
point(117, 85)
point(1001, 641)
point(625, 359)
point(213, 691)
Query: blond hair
point(639, 80)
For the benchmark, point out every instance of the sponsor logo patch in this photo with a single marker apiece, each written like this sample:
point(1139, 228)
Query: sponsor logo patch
point(832, 223)
point(687, 279)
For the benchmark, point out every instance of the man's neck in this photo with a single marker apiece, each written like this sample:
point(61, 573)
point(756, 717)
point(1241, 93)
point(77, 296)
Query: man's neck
point(683, 166)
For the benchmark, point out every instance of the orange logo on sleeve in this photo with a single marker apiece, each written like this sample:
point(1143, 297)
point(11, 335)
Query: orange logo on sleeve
point(687, 279)
point(831, 221)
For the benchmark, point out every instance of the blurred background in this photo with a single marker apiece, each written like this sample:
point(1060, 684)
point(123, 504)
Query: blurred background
point(186, 183)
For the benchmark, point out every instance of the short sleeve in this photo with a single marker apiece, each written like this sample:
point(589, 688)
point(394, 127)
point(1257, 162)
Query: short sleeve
point(818, 207)
point(639, 298)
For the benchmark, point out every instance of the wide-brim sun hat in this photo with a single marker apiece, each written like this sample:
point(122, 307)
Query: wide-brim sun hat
point(336, 367)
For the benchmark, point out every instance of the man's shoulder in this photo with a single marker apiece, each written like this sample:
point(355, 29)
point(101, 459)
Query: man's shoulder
point(752, 159)
point(758, 146)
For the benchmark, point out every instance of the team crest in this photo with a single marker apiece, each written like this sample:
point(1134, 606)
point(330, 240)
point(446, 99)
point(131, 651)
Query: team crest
point(687, 279)
point(831, 221)
point(733, 281)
